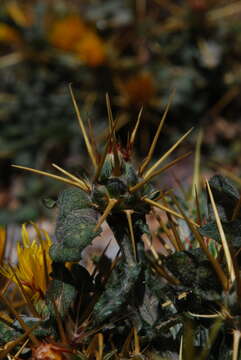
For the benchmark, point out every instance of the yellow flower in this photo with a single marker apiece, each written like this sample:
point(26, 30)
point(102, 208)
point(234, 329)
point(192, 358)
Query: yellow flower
point(34, 263)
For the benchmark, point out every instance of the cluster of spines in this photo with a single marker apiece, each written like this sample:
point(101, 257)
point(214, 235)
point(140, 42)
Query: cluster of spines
point(113, 149)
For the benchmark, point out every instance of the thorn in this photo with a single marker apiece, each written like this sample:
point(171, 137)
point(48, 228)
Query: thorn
point(129, 219)
point(179, 297)
point(170, 236)
point(161, 270)
point(6, 319)
point(105, 152)
point(73, 177)
point(59, 178)
point(82, 127)
point(153, 250)
point(205, 316)
point(181, 349)
point(168, 210)
point(158, 172)
point(163, 157)
point(172, 163)
point(110, 205)
point(60, 324)
point(199, 218)
point(180, 246)
point(217, 267)
point(16, 356)
point(12, 344)
point(100, 345)
point(110, 116)
point(153, 145)
point(20, 320)
point(137, 348)
point(196, 173)
point(6, 286)
point(236, 341)
point(162, 194)
point(222, 235)
point(133, 134)
point(116, 170)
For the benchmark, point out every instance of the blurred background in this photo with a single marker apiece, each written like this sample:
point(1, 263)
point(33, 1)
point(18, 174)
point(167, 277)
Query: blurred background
point(137, 51)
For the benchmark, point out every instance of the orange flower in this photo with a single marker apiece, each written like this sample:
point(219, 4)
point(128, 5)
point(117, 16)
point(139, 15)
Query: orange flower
point(72, 34)
point(91, 49)
point(139, 89)
point(67, 32)
point(9, 35)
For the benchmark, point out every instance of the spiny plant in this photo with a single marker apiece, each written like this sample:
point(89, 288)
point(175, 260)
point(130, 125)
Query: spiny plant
point(142, 303)
point(119, 194)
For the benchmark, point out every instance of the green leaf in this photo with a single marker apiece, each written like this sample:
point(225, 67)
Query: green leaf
point(117, 293)
point(72, 199)
point(61, 290)
point(8, 333)
point(194, 271)
point(231, 229)
point(149, 307)
point(225, 196)
point(74, 232)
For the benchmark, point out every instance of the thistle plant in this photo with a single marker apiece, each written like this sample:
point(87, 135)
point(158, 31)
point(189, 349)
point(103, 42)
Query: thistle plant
point(186, 302)
point(118, 193)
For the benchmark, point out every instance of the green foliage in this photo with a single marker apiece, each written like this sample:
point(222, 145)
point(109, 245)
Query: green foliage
point(225, 196)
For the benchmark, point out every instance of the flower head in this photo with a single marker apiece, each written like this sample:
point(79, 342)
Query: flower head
point(91, 49)
point(67, 32)
point(34, 263)
point(73, 35)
